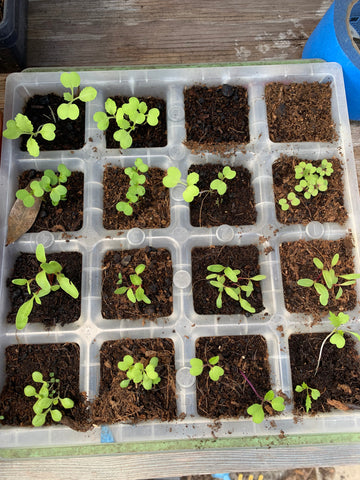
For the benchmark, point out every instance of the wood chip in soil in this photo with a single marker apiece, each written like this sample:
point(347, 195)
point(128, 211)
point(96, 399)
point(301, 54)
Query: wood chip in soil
point(57, 307)
point(244, 259)
point(157, 283)
point(337, 378)
point(235, 207)
point(134, 403)
point(151, 211)
point(300, 112)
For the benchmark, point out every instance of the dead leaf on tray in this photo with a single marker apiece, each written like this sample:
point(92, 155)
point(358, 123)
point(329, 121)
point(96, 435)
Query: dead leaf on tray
point(21, 219)
point(337, 404)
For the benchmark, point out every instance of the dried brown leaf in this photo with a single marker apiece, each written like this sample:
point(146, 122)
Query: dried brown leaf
point(337, 404)
point(21, 219)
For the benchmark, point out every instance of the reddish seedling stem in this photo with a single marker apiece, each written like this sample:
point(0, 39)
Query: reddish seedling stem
point(251, 386)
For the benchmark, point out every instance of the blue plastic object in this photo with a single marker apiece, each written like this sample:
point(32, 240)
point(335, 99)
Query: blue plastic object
point(222, 476)
point(331, 41)
point(106, 435)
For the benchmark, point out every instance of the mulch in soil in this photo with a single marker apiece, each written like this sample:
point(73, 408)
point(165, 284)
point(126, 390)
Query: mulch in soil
point(134, 403)
point(337, 378)
point(67, 216)
point(244, 259)
point(150, 211)
point(62, 359)
point(325, 207)
point(157, 283)
point(69, 134)
point(235, 207)
point(144, 136)
point(231, 395)
point(215, 116)
point(297, 262)
point(299, 112)
point(56, 308)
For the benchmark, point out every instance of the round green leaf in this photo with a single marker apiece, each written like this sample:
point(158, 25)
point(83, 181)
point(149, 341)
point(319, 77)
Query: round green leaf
point(154, 361)
point(192, 178)
point(124, 138)
point(125, 383)
point(257, 413)
point(110, 106)
point(33, 147)
point(215, 373)
point(214, 360)
point(70, 80)
point(29, 391)
point(229, 173)
point(278, 404)
point(219, 186)
point(12, 131)
point(24, 124)
point(269, 396)
point(37, 376)
point(338, 340)
point(67, 402)
point(88, 94)
point(172, 177)
point(196, 367)
point(48, 131)
point(39, 420)
point(56, 415)
point(102, 120)
point(152, 117)
point(190, 192)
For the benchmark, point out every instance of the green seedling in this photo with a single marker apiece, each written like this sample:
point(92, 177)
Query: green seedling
point(292, 198)
point(225, 279)
point(311, 393)
point(49, 183)
point(135, 293)
point(127, 117)
point(219, 184)
point(1, 417)
point(138, 373)
point(173, 178)
point(21, 125)
point(49, 279)
point(197, 367)
point(70, 109)
point(136, 188)
point(48, 397)
point(330, 278)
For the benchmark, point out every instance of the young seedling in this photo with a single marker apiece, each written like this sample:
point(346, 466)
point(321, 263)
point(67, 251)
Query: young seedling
point(70, 109)
point(219, 184)
point(330, 278)
point(173, 178)
point(197, 367)
point(127, 117)
point(46, 284)
point(293, 199)
point(50, 183)
point(138, 373)
point(136, 188)
point(47, 398)
point(311, 393)
point(21, 125)
point(222, 275)
point(135, 293)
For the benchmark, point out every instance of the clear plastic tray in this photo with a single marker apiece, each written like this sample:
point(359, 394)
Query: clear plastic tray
point(184, 326)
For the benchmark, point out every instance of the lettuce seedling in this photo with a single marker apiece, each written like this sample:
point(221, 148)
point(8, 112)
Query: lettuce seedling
point(311, 393)
point(135, 293)
point(330, 278)
point(138, 373)
point(70, 109)
point(47, 398)
point(222, 275)
point(127, 117)
point(50, 183)
point(45, 282)
point(23, 126)
point(136, 188)
point(197, 368)
point(173, 178)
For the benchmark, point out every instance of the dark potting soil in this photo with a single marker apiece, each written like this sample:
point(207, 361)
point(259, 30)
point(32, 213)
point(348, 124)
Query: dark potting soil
point(235, 207)
point(62, 359)
point(69, 134)
point(216, 115)
point(337, 378)
point(1, 9)
point(297, 262)
point(245, 259)
point(325, 207)
point(151, 211)
point(157, 283)
point(299, 112)
point(67, 216)
point(144, 136)
point(56, 308)
point(231, 395)
point(134, 403)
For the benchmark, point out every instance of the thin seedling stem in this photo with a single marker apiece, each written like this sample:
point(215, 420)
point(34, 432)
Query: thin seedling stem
point(321, 349)
point(251, 385)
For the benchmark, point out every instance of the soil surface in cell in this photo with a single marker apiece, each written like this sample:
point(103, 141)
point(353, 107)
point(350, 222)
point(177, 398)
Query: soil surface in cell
point(156, 282)
point(62, 359)
point(215, 116)
point(67, 216)
point(69, 134)
point(235, 207)
point(144, 135)
point(231, 395)
point(244, 259)
point(326, 206)
point(134, 403)
point(150, 211)
point(337, 378)
point(297, 263)
point(57, 307)
point(299, 112)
